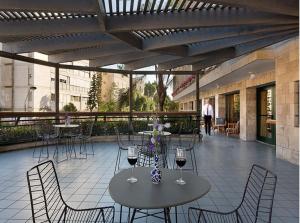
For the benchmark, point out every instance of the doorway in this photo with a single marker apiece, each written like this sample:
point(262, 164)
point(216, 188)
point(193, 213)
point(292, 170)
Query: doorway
point(233, 107)
point(266, 100)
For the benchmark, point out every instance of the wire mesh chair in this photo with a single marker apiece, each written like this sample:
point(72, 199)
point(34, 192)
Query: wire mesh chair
point(190, 148)
point(44, 133)
point(122, 147)
point(256, 205)
point(48, 205)
point(86, 136)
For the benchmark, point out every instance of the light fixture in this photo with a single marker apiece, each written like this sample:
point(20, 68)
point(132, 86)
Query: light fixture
point(31, 88)
point(252, 75)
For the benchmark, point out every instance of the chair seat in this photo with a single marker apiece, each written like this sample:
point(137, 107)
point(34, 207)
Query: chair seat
point(207, 216)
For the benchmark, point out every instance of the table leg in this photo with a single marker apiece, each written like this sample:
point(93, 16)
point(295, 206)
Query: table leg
point(133, 214)
point(121, 213)
point(176, 214)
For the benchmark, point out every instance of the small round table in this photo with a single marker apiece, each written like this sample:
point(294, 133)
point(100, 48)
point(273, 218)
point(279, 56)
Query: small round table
point(146, 195)
point(68, 142)
point(151, 132)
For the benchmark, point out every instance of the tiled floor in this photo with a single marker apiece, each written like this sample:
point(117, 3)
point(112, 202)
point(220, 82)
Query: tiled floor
point(225, 162)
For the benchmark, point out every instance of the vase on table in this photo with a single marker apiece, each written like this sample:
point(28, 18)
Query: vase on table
point(156, 172)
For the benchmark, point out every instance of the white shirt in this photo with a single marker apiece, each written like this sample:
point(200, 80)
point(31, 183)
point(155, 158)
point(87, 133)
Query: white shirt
point(207, 109)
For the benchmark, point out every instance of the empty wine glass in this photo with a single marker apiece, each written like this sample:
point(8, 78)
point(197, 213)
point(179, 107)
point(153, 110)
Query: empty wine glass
point(180, 161)
point(132, 155)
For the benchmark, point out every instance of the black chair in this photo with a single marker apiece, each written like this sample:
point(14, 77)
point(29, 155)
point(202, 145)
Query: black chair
point(85, 137)
point(190, 148)
point(122, 147)
point(256, 205)
point(48, 205)
point(45, 133)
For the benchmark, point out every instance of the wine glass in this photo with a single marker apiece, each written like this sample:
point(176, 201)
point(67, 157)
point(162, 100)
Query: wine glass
point(132, 155)
point(180, 161)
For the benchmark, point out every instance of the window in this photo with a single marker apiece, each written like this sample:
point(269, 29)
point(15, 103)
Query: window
point(296, 103)
point(52, 97)
point(75, 98)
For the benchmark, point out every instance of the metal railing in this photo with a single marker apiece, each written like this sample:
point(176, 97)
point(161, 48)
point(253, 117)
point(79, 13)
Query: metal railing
point(18, 127)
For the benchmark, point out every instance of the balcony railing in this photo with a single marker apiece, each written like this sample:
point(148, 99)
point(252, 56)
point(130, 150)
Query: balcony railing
point(18, 127)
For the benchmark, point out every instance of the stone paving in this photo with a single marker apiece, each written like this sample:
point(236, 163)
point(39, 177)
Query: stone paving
point(224, 161)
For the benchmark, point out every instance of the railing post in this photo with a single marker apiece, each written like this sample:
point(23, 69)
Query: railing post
point(198, 115)
point(130, 105)
point(56, 93)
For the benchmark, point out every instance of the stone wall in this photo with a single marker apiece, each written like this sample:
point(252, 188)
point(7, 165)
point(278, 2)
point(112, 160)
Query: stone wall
point(287, 72)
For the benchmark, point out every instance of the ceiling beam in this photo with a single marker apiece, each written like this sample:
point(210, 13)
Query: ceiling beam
point(208, 33)
point(191, 60)
point(192, 19)
point(213, 45)
point(287, 7)
point(48, 27)
point(91, 53)
point(60, 43)
point(120, 58)
point(241, 50)
point(181, 51)
point(129, 38)
point(70, 6)
point(146, 62)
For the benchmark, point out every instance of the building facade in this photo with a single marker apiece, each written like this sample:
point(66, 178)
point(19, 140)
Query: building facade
point(260, 91)
point(31, 87)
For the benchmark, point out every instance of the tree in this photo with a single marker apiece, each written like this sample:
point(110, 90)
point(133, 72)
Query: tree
point(162, 86)
point(70, 107)
point(150, 89)
point(171, 106)
point(94, 99)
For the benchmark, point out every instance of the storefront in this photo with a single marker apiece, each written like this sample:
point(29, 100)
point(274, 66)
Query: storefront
point(232, 107)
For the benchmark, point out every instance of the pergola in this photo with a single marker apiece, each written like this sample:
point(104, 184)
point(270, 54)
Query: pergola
point(141, 33)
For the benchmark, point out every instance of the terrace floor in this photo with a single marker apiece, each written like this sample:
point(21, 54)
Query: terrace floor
point(225, 162)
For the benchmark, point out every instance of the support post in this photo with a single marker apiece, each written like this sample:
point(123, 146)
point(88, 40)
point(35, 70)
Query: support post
point(198, 116)
point(57, 93)
point(130, 105)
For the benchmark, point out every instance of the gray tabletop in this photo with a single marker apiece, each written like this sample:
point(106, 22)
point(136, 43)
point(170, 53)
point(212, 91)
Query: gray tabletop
point(146, 195)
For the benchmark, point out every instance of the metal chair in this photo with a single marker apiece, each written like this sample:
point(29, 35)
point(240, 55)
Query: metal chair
point(48, 205)
point(122, 147)
point(256, 205)
point(86, 136)
point(190, 148)
point(44, 133)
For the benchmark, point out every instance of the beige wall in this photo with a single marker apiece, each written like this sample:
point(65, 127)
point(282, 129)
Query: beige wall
point(287, 72)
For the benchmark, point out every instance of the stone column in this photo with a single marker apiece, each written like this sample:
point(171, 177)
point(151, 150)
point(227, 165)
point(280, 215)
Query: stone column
point(220, 106)
point(248, 114)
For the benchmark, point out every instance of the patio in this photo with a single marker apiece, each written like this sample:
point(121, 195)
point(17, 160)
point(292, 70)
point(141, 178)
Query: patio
point(224, 161)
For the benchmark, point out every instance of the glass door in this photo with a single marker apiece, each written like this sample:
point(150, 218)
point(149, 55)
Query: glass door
point(266, 110)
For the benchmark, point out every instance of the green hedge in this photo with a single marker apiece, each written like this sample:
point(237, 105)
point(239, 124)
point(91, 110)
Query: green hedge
point(19, 134)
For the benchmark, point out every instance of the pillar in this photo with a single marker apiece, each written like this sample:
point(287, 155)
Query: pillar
point(248, 114)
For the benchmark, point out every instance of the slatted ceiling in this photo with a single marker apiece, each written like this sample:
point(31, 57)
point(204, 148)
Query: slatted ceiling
point(34, 16)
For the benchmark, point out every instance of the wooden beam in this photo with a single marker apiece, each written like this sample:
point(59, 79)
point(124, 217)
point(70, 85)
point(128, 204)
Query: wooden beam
point(70, 6)
point(286, 7)
point(146, 62)
point(91, 53)
point(192, 19)
point(209, 33)
point(213, 45)
point(241, 50)
point(49, 45)
point(120, 58)
point(48, 27)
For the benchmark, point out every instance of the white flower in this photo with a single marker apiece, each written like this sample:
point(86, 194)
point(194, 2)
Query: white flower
point(160, 128)
point(167, 125)
point(152, 140)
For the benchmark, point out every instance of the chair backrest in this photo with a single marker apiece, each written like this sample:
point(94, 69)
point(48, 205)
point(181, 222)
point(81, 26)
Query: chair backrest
point(118, 136)
point(47, 204)
point(87, 129)
point(220, 121)
point(257, 202)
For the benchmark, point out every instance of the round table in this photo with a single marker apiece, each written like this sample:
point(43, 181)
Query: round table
point(151, 132)
point(146, 195)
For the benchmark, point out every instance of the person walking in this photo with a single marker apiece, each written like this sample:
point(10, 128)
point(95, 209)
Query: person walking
point(207, 113)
